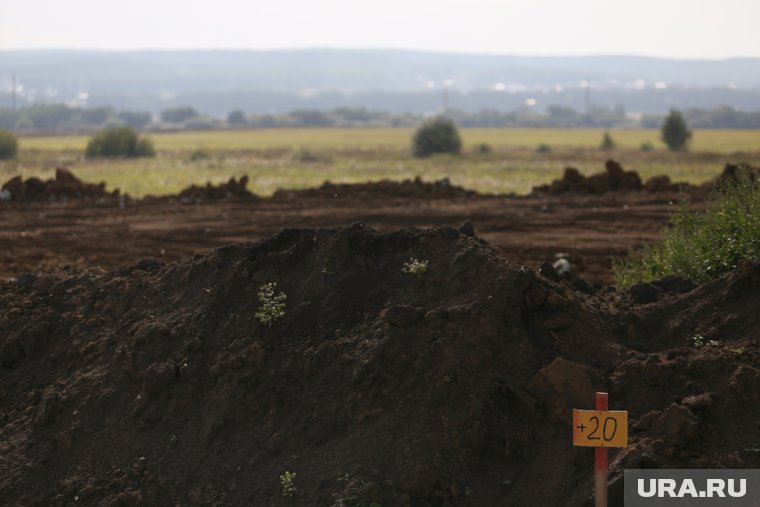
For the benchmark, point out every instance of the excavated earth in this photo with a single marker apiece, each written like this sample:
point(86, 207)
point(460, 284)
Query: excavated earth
point(585, 220)
point(156, 384)
point(134, 371)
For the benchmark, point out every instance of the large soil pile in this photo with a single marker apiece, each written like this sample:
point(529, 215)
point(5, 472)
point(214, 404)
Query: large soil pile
point(64, 186)
point(441, 189)
point(614, 179)
point(157, 385)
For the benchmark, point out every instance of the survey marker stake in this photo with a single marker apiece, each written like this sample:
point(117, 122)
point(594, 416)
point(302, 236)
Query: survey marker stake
point(600, 428)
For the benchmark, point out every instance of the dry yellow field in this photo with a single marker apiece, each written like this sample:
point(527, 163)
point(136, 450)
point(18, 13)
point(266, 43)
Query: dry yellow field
point(298, 158)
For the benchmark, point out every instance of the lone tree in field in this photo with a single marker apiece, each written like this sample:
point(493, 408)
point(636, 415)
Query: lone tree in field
point(607, 142)
point(8, 145)
point(120, 142)
point(675, 132)
point(437, 135)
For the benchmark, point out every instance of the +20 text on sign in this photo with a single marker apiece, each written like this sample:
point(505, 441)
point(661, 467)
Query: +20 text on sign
point(600, 428)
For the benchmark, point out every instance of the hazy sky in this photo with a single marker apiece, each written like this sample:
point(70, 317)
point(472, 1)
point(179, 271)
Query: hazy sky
point(671, 28)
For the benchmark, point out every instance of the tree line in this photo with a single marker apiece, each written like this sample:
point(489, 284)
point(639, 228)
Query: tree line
point(436, 135)
point(62, 118)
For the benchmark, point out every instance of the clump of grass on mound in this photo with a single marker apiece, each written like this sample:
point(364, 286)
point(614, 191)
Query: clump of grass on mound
point(702, 246)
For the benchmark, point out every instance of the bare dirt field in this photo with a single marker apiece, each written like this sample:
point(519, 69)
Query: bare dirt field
point(590, 229)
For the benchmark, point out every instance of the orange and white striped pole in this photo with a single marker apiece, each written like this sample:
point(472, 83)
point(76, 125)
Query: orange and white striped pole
point(600, 459)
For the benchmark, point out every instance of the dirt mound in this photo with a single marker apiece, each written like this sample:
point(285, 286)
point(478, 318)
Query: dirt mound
point(64, 186)
point(732, 173)
point(416, 188)
point(446, 384)
point(615, 179)
point(232, 189)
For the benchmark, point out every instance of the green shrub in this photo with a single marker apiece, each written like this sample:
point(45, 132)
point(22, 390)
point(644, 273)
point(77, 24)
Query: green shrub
point(543, 148)
point(8, 145)
point(119, 142)
point(702, 246)
point(437, 135)
point(646, 147)
point(484, 148)
point(607, 142)
point(675, 133)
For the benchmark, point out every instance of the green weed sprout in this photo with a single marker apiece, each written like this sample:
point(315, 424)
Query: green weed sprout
point(700, 341)
point(416, 267)
point(272, 307)
point(288, 484)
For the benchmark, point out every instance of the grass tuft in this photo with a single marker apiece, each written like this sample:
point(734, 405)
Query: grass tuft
point(702, 246)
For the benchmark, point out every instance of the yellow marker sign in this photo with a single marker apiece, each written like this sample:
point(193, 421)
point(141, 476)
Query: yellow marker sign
point(596, 428)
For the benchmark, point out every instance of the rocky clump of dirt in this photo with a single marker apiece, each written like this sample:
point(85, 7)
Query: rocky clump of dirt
point(64, 186)
point(448, 385)
point(416, 188)
point(614, 179)
point(232, 189)
point(733, 172)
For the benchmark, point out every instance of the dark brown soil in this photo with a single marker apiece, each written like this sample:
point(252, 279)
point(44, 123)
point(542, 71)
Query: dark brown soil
point(65, 222)
point(156, 384)
point(614, 179)
point(416, 188)
point(232, 189)
point(63, 187)
point(588, 229)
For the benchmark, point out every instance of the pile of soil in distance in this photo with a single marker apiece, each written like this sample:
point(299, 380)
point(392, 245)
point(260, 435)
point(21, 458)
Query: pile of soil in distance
point(615, 179)
point(66, 186)
point(157, 385)
point(441, 189)
point(232, 189)
point(63, 187)
point(732, 172)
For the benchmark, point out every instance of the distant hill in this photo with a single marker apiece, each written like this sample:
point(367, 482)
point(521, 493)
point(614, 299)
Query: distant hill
point(261, 81)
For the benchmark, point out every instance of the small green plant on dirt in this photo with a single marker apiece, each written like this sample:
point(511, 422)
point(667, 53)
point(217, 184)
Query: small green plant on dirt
point(646, 147)
point(272, 307)
point(416, 267)
point(355, 495)
point(484, 148)
point(288, 484)
point(543, 148)
point(736, 350)
point(700, 341)
point(702, 246)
